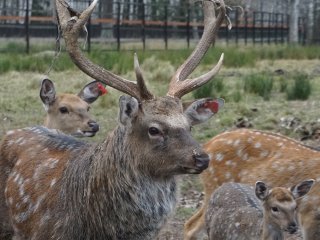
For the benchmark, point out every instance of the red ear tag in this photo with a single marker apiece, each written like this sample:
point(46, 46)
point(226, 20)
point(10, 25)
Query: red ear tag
point(102, 89)
point(212, 105)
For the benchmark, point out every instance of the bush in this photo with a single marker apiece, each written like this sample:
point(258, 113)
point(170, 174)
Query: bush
point(260, 84)
point(300, 89)
point(210, 89)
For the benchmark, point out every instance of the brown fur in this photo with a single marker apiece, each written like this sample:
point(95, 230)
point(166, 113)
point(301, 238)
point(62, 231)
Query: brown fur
point(248, 155)
point(122, 188)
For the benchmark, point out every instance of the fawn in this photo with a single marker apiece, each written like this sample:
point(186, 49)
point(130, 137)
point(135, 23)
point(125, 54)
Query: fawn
point(235, 212)
point(244, 156)
point(69, 112)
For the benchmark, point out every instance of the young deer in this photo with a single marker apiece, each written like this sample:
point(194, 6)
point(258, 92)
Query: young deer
point(234, 211)
point(125, 186)
point(69, 112)
point(246, 155)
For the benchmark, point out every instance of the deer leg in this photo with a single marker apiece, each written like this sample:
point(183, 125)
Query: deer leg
point(194, 225)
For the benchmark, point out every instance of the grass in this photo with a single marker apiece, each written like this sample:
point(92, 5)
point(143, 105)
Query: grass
point(300, 89)
point(259, 83)
point(13, 58)
point(20, 104)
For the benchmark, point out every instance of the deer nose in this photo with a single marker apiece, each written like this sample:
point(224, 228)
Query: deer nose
point(94, 126)
point(292, 227)
point(201, 160)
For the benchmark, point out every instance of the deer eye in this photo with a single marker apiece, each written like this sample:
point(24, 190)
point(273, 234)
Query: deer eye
point(88, 109)
point(153, 131)
point(64, 110)
point(275, 209)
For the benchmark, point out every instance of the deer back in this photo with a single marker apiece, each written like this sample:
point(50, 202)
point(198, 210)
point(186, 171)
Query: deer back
point(123, 187)
point(234, 213)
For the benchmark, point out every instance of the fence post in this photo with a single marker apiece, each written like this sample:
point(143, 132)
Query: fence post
point(287, 28)
point(237, 26)
point(276, 29)
point(143, 26)
point(166, 26)
point(245, 27)
point(118, 26)
point(188, 26)
point(27, 27)
point(282, 29)
point(261, 27)
point(269, 28)
point(254, 28)
point(89, 31)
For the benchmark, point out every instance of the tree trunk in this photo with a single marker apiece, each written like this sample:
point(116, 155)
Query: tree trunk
point(310, 22)
point(293, 21)
point(106, 12)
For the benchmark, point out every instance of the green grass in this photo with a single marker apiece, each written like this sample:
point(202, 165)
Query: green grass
point(300, 89)
point(21, 107)
point(14, 58)
point(261, 84)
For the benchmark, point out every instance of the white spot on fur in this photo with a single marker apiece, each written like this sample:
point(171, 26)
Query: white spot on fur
point(10, 132)
point(219, 157)
point(236, 143)
point(257, 145)
point(264, 153)
point(18, 162)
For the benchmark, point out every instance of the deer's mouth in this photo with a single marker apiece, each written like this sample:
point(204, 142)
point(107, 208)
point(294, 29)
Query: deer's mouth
point(195, 170)
point(80, 133)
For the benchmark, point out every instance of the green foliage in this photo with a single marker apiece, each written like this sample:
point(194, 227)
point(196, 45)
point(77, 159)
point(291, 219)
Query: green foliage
point(260, 84)
point(122, 62)
point(210, 89)
point(300, 89)
point(283, 84)
point(237, 96)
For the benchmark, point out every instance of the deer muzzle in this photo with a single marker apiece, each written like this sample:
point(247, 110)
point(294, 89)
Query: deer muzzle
point(201, 160)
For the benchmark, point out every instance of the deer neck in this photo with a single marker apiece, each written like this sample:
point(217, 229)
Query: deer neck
point(271, 231)
point(107, 170)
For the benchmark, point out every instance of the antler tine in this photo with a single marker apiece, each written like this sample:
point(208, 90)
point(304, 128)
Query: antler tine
point(179, 85)
point(71, 26)
point(145, 94)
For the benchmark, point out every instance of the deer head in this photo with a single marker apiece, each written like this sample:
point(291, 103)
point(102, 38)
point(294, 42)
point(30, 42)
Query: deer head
point(143, 110)
point(69, 112)
point(280, 206)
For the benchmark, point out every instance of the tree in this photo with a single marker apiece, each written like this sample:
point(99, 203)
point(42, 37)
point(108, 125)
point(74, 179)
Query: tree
point(293, 21)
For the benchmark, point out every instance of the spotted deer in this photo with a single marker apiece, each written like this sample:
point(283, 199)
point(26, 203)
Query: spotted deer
point(69, 113)
point(124, 187)
point(237, 211)
point(244, 156)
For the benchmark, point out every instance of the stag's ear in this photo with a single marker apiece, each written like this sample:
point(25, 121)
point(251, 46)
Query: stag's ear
point(47, 92)
point(201, 110)
point(92, 91)
point(261, 190)
point(302, 188)
point(129, 108)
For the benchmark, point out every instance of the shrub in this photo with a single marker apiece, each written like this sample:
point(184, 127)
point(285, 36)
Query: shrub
point(260, 84)
point(300, 89)
point(209, 89)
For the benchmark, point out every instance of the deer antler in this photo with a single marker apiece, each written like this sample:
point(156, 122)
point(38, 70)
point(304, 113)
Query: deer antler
point(179, 85)
point(71, 25)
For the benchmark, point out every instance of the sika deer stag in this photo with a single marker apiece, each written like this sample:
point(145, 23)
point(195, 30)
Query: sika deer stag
point(123, 187)
point(235, 212)
point(247, 155)
point(69, 112)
